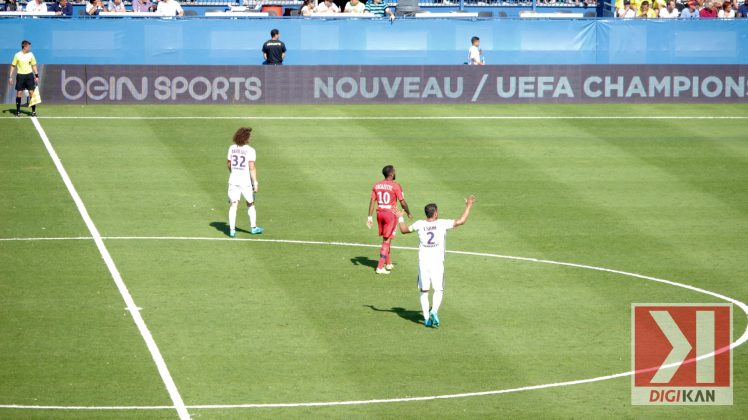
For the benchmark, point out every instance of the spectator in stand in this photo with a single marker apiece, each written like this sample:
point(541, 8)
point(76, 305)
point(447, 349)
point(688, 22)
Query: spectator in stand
point(116, 6)
point(355, 7)
point(94, 8)
point(62, 8)
point(327, 7)
point(169, 8)
point(475, 53)
point(626, 12)
point(142, 6)
point(670, 11)
point(709, 11)
point(274, 50)
point(11, 6)
point(727, 11)
point(690, 12)
point(379, 9)
point(36, 6)
point(307, 8)
point(743, 10)
point(645, 12)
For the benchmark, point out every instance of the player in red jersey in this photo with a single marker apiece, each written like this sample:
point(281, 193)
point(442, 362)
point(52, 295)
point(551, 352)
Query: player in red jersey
point(384, 195)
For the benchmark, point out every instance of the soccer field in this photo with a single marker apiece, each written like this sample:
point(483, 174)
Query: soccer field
point(271, 325)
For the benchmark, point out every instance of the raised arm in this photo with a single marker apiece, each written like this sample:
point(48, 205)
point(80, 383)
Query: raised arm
point(465, 213)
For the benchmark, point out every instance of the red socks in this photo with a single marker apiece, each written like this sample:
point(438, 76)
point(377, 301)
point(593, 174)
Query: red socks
point(384, 255)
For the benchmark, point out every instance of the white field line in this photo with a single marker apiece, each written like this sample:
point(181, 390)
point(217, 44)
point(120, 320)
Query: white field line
point(743, 338)
point(171, 387)
point(407, 118)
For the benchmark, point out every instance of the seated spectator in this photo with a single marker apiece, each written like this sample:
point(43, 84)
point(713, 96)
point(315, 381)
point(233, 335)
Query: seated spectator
point(62, 8)
point(743, 10)
point(690, 12)
point(379, 9)
point(308, 8)
point(142, 6)
point(94, 8)
point(327, 7)
point(116, 6)
point(169, 8)
point(12, 6)
point(727, 11)
point(709, 11)
point(626, 11)
point(645, 12)
point(36, 6)
point(355, 7)
point(670, 11)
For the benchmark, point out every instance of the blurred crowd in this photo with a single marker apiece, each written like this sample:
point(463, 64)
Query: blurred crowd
point(690, 9)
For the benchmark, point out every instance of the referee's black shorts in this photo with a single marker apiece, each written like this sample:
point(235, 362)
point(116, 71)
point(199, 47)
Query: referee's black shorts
point(25, 82)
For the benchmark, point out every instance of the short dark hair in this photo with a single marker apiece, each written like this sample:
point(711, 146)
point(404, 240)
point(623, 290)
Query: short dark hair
point(430, 210)
point(25, 43)
point(274, 32)
point(388, 170)
point(473, 39)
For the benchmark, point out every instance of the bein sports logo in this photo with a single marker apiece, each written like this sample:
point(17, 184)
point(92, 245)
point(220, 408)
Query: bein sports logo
point(681, 354)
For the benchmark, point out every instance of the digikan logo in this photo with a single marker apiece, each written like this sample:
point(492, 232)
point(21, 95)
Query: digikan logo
point(681, 354)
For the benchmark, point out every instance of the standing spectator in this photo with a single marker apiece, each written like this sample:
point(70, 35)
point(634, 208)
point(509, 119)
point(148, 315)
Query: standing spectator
point(690, 12)
point(727, 11)
point(116, 6)
point(627, 12)
point(142, 6)
point(475, 53)
point(355, 7)
point(327, 7)
point(379, 9)
point(94, 8)
point(709, 11)
point(743, 10)
point(645, 12)
point(36, 6)
point(670, 11)
point(274, 50)
point(27, 75)
point(307, 8)
point(169, 8)
point(11, 6)
point(63, 8)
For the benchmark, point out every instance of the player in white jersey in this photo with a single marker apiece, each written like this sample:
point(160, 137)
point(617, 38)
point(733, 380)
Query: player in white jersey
point(243, 179)
point(432, 235)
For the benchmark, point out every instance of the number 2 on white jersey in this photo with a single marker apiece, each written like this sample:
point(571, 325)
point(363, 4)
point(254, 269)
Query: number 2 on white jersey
point(235, 161)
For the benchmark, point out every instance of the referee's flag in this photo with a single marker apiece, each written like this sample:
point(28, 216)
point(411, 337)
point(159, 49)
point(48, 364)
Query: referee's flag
point(36, 98)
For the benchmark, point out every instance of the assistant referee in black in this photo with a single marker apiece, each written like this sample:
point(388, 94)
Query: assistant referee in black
point(274, 50)
point(27, 75)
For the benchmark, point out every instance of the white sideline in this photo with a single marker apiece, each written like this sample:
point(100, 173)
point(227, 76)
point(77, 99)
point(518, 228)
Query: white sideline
point(425, 117)
point(743, 338)
point(171, 387)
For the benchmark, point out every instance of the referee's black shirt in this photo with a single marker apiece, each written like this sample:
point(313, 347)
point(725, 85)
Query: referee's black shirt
point(274, 50)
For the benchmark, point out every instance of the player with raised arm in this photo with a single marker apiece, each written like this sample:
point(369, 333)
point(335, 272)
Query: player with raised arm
point(384, 197)
point(432, 235)
point(242, 179)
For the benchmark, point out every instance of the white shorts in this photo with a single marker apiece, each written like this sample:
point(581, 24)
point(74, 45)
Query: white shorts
point(237, 191)
point(431, 275)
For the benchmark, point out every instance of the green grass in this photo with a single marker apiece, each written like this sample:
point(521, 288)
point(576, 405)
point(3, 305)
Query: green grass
point(261, 322)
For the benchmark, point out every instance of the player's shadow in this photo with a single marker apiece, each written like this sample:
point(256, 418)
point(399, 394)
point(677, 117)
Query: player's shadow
point(223, 227)
point(365, 261)
point(412, 316)
point(12, 111)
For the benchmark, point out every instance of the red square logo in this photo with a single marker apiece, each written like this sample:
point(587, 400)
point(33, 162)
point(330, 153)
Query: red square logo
point(681, 354)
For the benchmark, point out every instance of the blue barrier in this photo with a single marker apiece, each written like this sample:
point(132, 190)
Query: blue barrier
point(365, 41)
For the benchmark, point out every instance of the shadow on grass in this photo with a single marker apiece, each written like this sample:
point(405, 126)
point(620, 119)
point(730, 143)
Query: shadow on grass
point(12, 112)
point(365, 261)
point(223, 227)
point(412, 316)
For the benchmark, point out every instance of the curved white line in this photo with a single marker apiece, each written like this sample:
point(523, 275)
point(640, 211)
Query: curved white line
point(743, 338)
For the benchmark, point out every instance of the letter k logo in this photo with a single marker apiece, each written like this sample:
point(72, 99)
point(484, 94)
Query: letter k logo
point(681, 347)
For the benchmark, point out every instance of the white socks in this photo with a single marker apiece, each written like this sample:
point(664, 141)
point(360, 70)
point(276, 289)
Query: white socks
point(252, 216)
point(425, 304)
point(232, 216)
point(438, 294)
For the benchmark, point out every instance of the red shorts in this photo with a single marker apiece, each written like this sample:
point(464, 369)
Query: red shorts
point(387, 221)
